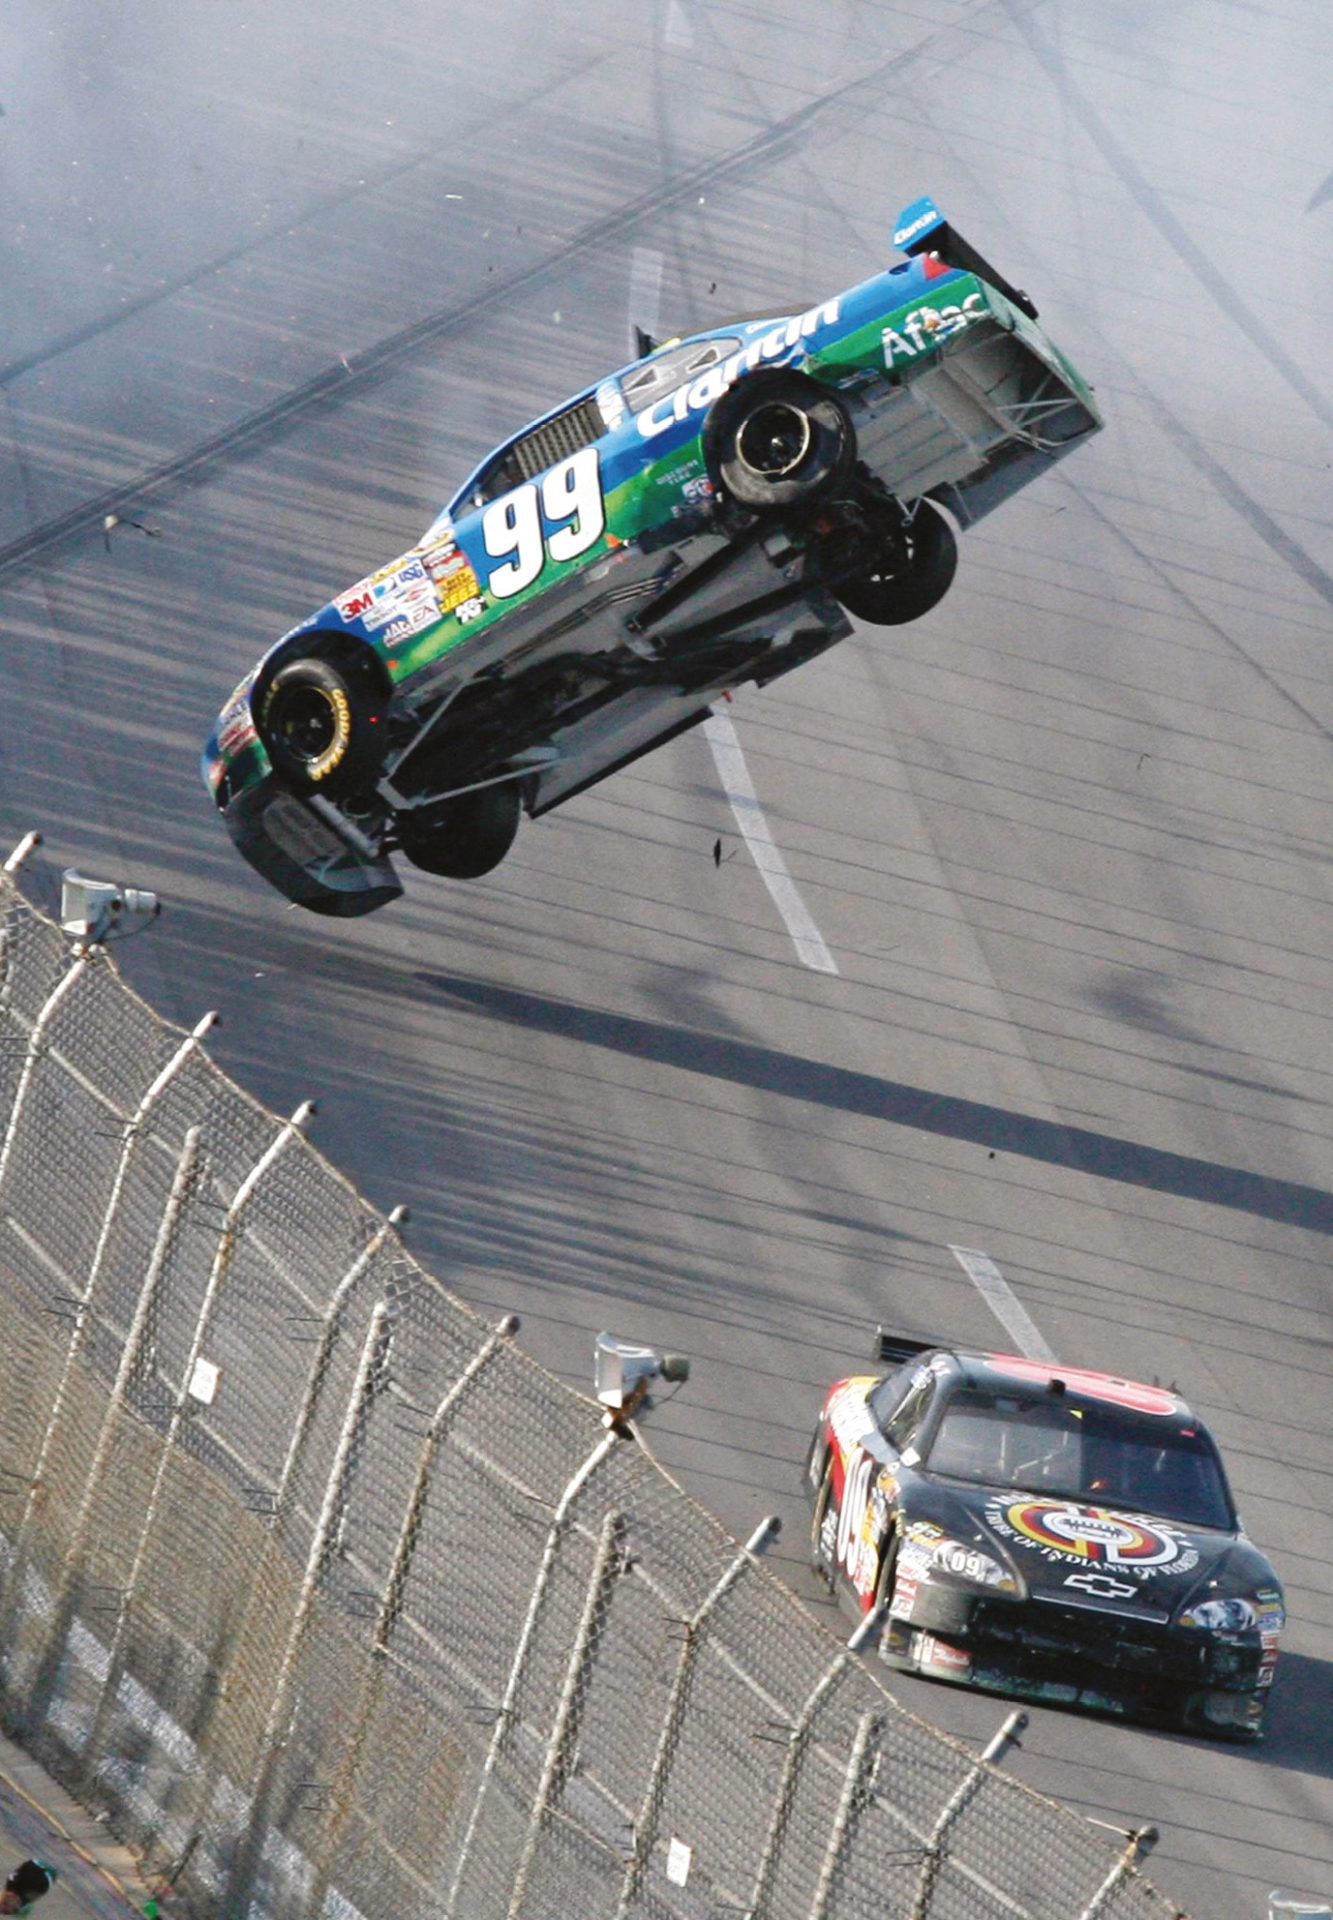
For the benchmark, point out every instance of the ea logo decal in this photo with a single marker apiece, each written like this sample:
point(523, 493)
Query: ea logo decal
point(1091, 1535)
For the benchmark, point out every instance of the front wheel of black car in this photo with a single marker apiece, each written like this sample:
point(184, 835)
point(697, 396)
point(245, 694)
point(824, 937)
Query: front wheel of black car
point(464, 836)
point(320, 718)
point(819, 1560)
point(778, 440)
point(907, 570)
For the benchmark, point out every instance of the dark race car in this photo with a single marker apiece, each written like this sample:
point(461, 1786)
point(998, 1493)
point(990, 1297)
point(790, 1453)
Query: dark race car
point(1045, 1531)
point(709, 515)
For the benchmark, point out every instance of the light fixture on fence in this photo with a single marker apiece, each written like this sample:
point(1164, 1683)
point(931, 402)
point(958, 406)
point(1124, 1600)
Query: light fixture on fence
point(96, 910)
point(623, 1374)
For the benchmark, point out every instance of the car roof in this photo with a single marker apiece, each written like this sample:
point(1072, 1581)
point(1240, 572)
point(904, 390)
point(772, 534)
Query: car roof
point(980, 1369)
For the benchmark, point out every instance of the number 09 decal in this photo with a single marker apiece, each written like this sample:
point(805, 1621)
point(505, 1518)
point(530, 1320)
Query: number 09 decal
point(569, 495)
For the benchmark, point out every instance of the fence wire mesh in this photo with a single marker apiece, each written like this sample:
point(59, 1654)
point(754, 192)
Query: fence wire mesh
point(346, 1609)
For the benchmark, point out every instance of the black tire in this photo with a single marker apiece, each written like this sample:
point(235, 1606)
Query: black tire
point(777, 440)
point(910, 572)
point(320, 720)
point(466, 836)
point(818, 1560)
point(886, 1571)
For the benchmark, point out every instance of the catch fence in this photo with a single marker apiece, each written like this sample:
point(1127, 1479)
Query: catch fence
point(344, 1608)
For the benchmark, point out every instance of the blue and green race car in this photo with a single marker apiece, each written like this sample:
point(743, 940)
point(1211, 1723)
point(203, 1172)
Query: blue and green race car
point(709, 515)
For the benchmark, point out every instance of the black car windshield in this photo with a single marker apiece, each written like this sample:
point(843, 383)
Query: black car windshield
point(1084, 1450)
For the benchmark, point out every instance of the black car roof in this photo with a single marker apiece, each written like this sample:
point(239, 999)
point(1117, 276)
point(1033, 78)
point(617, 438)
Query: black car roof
point(989, 1370)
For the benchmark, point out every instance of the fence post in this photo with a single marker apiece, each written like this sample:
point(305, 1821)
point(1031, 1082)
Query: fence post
point(1141, 1842)
point(241, 1888)
point(48, 1667)
point(962, 1794)
point(344, 1785)
point(855, 1793)
point(319, 1368)
point(645, 1827)
point(797, 1747)
point(132, 1135)
point(503, 1718)
point(315, 1377)
point(36, 1048)
point(21, 852)
point(607, 1567)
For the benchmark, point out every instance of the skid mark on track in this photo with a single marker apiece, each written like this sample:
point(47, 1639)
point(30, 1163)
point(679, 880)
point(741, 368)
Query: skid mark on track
point(351, 376)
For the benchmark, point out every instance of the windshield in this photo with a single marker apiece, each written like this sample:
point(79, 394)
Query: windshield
point(1083, 1450)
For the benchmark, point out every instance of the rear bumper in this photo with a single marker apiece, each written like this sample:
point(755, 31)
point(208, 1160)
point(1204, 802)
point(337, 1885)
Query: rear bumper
point(301, 855)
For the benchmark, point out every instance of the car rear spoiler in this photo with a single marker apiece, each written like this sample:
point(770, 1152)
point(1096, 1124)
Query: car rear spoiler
point(897, 1347)
point(922, 228)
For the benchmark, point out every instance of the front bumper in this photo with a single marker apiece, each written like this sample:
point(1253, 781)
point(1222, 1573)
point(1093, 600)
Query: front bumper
point(302, 856)
point(1084, 1657)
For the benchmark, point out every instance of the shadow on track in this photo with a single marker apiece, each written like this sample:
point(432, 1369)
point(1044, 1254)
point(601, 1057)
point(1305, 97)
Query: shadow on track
point(841, 1088)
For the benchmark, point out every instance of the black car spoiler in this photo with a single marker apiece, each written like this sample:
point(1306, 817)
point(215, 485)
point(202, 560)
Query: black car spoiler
point(922, 228)
point(895, 1348)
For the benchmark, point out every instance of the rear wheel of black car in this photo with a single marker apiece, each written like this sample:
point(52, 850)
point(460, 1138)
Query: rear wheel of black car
point(778, 440)
point(464, 836)
point(320, 718)
point(907, 570)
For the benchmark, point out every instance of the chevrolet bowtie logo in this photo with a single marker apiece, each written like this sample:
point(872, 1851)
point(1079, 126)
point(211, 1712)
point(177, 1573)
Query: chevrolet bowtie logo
point(1102, 1585)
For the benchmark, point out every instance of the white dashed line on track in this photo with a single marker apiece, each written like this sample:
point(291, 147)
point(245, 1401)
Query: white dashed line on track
point(677, 31)
point(1003, 1302)
point(739, 789)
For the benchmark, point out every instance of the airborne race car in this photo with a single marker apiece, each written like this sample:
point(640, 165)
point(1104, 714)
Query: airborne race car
point(1045, 1531)
point(709, 515)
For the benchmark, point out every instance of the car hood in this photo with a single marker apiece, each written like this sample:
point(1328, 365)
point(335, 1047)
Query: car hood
point(1083, 1554)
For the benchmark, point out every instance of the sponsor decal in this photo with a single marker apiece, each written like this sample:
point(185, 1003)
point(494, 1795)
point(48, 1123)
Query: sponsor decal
point(356, 601)
point(847, 1415)
point(455, 582)
point(930, 216)
point(942, 1657)
point(1091, 1536)
point(400, 573)
point(677, 476)
point(910, 1569)
point(382, 596)
point(698, 489)
point(927, 327)
point(395, 606)
point(410, 622)
point(1102, 1585)
point(469, 610)
point(923, 1532)
point(438, 555)
point(779, 343)
point(237, 730)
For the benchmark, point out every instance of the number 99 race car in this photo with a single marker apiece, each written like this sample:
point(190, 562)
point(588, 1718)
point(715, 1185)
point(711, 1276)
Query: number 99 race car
point(709, 515)
point(1046, 1531)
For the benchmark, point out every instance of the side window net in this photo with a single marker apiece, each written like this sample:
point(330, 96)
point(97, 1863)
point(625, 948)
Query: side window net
point(578, 426)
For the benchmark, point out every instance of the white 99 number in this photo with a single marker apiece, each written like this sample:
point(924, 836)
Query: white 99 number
point(571, 495)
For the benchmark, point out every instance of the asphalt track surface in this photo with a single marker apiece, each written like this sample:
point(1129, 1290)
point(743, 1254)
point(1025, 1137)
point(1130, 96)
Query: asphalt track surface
point(272, 278)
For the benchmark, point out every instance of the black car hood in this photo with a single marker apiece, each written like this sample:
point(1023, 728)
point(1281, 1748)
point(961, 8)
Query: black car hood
point(1077, 1552)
